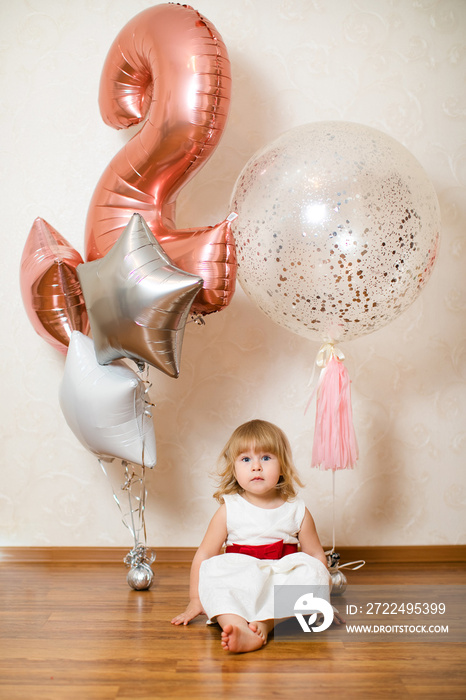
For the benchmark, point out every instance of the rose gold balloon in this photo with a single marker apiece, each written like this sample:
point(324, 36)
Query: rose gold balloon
point(50, 287)
point(170, 64)
point(211, 254)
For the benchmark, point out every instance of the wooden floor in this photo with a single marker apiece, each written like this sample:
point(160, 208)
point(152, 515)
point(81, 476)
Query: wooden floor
point(77, 631)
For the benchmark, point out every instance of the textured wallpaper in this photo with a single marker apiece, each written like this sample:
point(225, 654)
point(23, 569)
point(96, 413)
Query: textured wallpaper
point(396, 65)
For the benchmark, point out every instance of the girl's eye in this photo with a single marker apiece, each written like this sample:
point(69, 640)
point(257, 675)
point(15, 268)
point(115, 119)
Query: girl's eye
point(245, 459)
point(266, 458)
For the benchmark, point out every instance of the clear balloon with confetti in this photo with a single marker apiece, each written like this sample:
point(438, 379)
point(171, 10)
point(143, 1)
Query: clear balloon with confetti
point(337, 232)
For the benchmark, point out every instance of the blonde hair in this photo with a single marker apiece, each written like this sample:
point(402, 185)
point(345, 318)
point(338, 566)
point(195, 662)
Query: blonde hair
point(265, 437)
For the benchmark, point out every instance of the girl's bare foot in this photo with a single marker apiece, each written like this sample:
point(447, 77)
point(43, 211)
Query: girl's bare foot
point(239, 638)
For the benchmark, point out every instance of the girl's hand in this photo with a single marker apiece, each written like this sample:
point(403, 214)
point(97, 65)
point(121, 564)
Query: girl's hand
point(337, 618)
point(193, 610)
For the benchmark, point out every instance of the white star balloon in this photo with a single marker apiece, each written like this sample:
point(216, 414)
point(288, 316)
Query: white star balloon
point(138, 301)
point(105, 406)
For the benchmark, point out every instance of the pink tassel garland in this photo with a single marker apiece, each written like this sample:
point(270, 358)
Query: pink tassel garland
point(335, 445)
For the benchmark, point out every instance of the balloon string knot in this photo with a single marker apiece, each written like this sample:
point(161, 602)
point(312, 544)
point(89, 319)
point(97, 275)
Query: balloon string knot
point(197, 319)
point(333, 563)
point(139, 555)
point(327, 351)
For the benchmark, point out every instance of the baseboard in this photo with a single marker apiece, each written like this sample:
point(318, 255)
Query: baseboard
point(405, 554)
point(89, 555)
point(113, 555)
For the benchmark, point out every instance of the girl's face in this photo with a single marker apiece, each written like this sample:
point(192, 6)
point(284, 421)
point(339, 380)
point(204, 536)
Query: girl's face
point(257, 471)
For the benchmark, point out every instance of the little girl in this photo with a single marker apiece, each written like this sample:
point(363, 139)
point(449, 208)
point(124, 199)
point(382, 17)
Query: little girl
point(261, 521)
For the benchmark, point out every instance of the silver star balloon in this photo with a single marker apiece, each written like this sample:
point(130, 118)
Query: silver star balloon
point(138, 301)
point(106, 406)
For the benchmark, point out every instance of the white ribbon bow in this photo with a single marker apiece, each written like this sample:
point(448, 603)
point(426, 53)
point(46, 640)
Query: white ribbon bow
point(325, 354)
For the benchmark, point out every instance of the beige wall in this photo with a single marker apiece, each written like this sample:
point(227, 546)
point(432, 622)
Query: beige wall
point(397, 65)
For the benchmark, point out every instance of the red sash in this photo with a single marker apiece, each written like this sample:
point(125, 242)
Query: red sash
point(276, 550)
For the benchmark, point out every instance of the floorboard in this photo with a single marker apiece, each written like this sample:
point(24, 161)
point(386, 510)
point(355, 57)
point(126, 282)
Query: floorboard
point(78, 631)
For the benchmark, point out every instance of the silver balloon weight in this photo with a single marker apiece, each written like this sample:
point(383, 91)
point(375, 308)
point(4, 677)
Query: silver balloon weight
point(339, 582)
point(140, 577)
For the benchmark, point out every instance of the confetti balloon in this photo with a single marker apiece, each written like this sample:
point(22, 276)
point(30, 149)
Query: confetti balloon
point(337, 231)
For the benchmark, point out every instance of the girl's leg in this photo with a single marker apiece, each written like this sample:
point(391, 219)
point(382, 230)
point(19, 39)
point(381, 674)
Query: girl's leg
point(238, 635)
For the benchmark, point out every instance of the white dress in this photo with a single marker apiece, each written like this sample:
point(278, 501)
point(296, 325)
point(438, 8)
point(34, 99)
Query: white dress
point(244, 585)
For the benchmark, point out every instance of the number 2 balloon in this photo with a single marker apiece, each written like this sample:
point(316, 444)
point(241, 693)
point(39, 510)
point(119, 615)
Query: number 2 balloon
point(169, 64)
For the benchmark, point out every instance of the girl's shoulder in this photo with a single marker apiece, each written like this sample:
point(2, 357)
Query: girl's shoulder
point(296, 499)
point(297, 509)
point(296, 502)
point(231, 498)
point(234, 503)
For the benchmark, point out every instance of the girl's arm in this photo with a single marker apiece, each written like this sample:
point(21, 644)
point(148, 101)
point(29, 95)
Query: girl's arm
point(210, 546)
point(309, 539)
